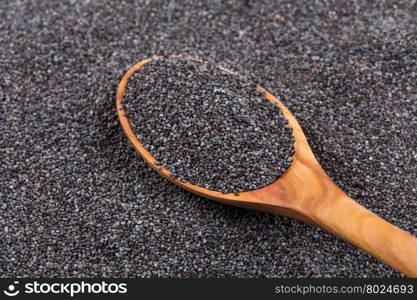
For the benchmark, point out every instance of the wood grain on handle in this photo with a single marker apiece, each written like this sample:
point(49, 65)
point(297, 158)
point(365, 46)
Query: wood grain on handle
point(349, 220)
point(314, 197)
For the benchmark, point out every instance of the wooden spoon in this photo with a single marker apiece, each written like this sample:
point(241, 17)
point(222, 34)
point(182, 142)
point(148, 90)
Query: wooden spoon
point(304, 192)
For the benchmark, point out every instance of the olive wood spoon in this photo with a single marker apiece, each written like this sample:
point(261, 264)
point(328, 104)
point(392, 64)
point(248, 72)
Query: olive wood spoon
point(303, 192)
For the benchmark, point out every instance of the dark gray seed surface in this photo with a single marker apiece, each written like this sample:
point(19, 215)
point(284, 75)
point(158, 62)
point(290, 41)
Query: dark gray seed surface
point(207, 126)
point(75, 198)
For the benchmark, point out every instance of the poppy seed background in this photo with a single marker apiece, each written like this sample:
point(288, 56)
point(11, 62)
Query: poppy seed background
point(75, 198)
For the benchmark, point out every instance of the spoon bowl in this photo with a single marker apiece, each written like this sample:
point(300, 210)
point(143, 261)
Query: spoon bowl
point(304, 192)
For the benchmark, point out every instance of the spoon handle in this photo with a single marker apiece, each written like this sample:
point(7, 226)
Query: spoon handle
point(344, 217)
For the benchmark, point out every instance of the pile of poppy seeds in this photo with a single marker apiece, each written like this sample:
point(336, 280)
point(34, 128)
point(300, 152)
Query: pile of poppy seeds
point(76, 200)
point(207, 126)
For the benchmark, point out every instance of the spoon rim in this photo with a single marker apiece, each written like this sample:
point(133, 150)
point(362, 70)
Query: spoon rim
point(150, 159)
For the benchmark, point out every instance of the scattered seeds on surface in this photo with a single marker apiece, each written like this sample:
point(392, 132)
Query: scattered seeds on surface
point(77, 201)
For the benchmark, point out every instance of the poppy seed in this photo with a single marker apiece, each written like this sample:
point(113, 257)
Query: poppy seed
point(176, 105)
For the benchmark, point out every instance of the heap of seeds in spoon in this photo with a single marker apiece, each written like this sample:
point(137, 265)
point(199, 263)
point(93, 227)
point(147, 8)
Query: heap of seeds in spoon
point(207, 126)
